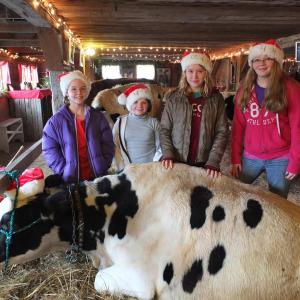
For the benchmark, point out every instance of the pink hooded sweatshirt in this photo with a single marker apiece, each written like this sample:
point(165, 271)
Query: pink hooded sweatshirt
point(267, 135)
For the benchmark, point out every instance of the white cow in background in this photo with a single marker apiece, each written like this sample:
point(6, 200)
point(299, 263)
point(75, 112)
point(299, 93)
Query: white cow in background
point(171, 234)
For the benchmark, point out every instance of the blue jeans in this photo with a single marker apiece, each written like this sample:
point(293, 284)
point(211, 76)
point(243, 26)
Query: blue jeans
point(275, 170)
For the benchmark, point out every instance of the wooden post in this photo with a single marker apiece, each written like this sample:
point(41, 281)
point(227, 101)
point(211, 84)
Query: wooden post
point(89, 68)
point(57, 97)
point(55, 56)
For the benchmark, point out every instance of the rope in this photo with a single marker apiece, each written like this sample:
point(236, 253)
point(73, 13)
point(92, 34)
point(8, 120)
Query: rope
point(13, 176)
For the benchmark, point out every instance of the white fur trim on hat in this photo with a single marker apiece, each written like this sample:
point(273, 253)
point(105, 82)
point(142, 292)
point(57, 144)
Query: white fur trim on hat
point(196, 58)
point(66, 79)
point(133, 94)
point(268, 49)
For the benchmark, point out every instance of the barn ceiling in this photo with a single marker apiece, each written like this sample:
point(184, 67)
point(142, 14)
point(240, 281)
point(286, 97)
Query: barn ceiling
point(214, 25)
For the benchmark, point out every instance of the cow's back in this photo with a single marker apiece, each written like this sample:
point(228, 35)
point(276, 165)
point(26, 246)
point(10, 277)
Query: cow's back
point(211, 239)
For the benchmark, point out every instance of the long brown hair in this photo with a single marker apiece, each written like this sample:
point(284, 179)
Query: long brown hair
point(275, 97)
point(206, 88)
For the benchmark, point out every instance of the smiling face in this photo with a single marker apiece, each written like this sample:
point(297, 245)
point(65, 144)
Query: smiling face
point(140, 107)
point(77, 92)
point(195, 75)
point(262, 65)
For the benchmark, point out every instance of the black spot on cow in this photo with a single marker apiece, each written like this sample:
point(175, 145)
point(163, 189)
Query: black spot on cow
point(218, 214)
point(192, 276)
point(101, 236)
point(125, 199)
point(216, 259)
point(24, 222)
point(168, 273)
point(199, 202)
point(253, 214)
point(53, 180)
point(104, 186)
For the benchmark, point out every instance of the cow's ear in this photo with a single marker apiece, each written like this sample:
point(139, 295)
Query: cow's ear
point(53, 181)
point(57, 202)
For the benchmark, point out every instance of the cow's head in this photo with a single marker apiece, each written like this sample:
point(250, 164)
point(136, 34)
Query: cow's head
point(46, 221)
point(36, 228)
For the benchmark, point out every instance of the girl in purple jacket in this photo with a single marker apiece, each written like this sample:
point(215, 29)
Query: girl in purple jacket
point(77, 140)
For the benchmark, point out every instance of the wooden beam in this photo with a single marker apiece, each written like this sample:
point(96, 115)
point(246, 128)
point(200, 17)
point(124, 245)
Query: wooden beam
point(289, 41)
point(196, 13)
point(20, 27)
point(19, 43)
point(21, 163)
point(24, 10)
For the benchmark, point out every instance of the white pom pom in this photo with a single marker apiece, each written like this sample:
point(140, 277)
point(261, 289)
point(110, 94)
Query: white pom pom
point(122, 99)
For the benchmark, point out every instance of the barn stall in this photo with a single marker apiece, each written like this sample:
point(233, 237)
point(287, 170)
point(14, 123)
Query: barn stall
point(41, 39)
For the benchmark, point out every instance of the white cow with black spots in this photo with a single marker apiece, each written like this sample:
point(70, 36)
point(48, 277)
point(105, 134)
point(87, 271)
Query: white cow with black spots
point(171, 234)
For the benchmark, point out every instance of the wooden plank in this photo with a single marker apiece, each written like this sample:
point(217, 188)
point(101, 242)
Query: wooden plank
point(289, 41)
point(30, 118)
point(22, 162)
point(25, 10)
point(57, 97)
point(19, 43)
point(20, 27)
point(38, 118)
point(57, 53)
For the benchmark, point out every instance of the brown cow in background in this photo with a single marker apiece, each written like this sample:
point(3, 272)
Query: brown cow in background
point(103, 84)
point(107, 100)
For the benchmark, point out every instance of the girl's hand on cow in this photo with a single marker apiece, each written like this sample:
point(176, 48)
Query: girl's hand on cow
point(290, 176)
point(168, 163)
point(236, 170)
point(213, 173)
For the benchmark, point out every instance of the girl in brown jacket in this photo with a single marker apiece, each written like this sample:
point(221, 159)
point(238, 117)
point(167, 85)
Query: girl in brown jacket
point(194, 127)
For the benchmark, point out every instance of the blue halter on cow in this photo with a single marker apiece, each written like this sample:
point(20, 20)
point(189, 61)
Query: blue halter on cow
point(167, 234)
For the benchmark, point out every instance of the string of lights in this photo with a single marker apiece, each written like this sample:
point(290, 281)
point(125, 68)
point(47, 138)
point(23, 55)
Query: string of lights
point(57, 20)
point(15, 56)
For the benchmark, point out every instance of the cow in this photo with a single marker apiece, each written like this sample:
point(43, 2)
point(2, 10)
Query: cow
point(169, 234)
point(108, 100)
point(103, 84)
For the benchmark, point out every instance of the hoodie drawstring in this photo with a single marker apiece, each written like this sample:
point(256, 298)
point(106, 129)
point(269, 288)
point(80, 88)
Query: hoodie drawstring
point(277, 123)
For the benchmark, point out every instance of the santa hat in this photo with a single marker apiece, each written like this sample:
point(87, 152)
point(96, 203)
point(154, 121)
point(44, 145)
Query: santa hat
point(191, 58)
point(134, 93)
point(269, 49)
point(31, 182)
point(66, 79)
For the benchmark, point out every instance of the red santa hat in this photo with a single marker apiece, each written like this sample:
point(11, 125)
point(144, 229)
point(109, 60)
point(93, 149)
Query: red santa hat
point(134, 93)
point(191, 58)
point(270, 49)
point(31, 182)
point(66, 78)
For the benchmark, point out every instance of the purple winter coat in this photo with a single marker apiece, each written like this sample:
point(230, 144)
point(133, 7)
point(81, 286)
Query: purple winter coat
point(59, 143)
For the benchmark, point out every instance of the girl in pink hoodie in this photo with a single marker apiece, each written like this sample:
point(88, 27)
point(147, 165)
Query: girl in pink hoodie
point(266, 124)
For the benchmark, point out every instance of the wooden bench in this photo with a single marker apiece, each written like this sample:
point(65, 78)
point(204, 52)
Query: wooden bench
point(10, 129)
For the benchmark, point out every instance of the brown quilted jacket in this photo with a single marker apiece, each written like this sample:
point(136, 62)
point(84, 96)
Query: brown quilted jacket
point(176, 129)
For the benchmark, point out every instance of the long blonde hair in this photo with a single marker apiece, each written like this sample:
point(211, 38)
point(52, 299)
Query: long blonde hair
point(206, 88)
point(275, 97)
